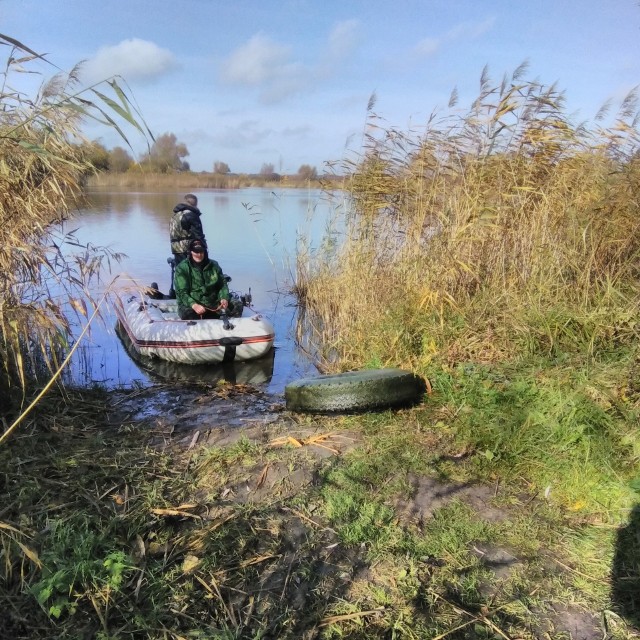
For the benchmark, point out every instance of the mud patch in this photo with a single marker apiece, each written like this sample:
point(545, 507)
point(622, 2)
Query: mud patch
point(283, 472)
point(501, 562)
point(176, 412)
point(571, 622)
point(425, 495)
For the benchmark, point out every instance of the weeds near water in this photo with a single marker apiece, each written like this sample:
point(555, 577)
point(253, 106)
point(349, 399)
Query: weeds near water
point(468, 230)
point(41, 173)
point(496, 253)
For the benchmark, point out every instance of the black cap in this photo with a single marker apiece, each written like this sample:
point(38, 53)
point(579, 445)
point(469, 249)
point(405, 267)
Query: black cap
point(197, 246)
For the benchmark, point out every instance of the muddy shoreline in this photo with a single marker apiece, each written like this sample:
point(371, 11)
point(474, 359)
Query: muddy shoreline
point(233, 513)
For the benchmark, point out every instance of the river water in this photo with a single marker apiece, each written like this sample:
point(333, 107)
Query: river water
point(254, 235)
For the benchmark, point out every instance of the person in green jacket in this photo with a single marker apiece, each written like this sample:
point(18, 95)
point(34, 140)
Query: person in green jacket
point(201, 288)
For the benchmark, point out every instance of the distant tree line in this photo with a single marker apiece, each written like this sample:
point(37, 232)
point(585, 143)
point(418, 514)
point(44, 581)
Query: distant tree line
point(167, 155)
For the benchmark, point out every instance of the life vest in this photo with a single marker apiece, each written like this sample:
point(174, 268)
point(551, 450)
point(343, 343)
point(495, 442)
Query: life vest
point(181, 237)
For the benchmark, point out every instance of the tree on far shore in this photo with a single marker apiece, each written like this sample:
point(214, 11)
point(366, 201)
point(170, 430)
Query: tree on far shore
point(307, 172)
point(119, 160)
point(267, 169)
point(166, 155)
point(221, 167)
point(96, 154)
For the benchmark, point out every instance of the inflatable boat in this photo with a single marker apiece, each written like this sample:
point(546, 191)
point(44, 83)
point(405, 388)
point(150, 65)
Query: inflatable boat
point(155, 330)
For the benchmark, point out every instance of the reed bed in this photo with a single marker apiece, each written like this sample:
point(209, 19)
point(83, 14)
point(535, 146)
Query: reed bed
point(39, 178)
point(42, 169)
point(497, 253)
point(179, 180)
point(496, 217)
point(184, 180)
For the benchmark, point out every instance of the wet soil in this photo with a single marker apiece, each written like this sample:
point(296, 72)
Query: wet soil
point(177, 414)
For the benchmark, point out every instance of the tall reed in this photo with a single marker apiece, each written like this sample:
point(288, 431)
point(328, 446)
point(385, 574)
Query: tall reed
point(41, 172)
point(462, 235)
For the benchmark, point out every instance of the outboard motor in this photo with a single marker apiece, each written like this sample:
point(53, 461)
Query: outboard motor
point(154, 293)
point(172, 262)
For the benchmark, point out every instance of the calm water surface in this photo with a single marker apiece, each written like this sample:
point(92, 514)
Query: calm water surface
point(252, 233)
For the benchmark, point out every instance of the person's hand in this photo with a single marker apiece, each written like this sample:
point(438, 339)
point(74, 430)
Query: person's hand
point(198, 308)
point(224, 304)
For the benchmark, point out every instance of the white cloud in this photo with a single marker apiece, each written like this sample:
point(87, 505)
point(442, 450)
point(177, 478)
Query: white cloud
point(463, 31)
point(427, 47)
point(343, 39)
point(132, 59)
point(258, 61)
point(242, 136)
point(341, 43)
point(271, 67)
point(470, 30)
point(267, 65)
point(297, 132)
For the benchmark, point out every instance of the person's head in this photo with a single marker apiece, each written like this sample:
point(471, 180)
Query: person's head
point(191, 199)
point(197, 250)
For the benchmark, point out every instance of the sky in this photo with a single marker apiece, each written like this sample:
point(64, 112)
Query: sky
point(288, 82)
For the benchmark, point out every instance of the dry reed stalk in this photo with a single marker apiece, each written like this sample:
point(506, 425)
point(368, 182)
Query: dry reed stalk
point(509, 203)
point(42, 168)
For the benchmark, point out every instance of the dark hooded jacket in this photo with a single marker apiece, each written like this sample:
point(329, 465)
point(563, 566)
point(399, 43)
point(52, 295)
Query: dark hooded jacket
point(203, 283)
point(185, 226)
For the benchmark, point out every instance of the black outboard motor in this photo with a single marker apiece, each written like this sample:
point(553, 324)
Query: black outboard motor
point(154, 293)
point(172, 262)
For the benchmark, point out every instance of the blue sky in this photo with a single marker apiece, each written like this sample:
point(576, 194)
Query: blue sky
point(287, 82)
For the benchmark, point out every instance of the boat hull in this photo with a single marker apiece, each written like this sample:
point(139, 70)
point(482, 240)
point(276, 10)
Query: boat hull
point(156, 331)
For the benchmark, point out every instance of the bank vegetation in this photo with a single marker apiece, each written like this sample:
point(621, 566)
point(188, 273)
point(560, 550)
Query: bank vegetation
point(42, 171)
point(500, 248)
point(191, 181)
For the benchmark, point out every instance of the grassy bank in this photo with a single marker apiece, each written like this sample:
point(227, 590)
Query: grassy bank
point(501, 248)
point(362, 527)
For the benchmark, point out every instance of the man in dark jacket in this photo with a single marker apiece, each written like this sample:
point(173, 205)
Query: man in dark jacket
point(185, 226)
point(201, 288)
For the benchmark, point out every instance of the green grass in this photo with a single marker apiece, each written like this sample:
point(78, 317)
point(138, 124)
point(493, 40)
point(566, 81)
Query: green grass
point(554, 425)
point(501, 245)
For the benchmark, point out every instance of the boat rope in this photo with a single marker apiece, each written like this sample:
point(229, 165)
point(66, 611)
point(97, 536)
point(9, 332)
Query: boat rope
point(213, 310)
